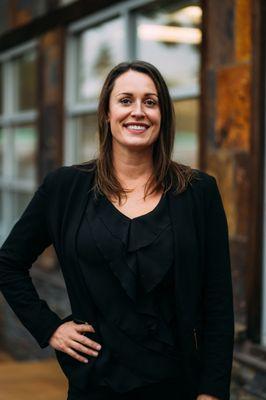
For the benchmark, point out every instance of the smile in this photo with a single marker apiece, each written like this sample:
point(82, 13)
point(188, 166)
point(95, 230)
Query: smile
point(136, 128)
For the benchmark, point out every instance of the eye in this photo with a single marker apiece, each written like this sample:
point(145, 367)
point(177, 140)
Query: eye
point(151, 102)
point(125, 100)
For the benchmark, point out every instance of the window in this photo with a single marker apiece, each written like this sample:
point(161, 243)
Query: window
point(93, 52)
point(168, 36)
point(18, 138)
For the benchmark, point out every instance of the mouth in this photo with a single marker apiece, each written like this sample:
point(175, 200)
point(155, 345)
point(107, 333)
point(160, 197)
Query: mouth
point(136, 128)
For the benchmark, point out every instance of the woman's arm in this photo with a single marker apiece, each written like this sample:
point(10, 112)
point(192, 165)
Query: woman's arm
point(27, 239)
point(218, 329)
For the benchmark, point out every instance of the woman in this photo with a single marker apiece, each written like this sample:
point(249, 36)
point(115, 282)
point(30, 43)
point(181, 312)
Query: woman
point(143, 246)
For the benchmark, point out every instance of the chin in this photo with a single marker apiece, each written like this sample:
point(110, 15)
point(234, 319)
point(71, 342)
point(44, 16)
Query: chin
point(134, 143)
point(138, 146)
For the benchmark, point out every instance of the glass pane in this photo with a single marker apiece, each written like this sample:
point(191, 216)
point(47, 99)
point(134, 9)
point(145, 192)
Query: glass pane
point(1, 151)
point(87, 143)
point(186, 138)
point(25, 73)
point(1, 89)
point(170, 39)
point(100, 48)
point(25, 148)
point(19, 203)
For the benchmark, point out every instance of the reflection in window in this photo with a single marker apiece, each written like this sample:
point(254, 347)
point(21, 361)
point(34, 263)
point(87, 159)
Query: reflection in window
point(25, 82)
point(100, 48)
point(170, 40)
point(25, 143)
point(87, 143)
point(186, 138)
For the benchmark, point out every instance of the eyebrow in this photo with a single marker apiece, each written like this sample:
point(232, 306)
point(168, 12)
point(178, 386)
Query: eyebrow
point(131, 94)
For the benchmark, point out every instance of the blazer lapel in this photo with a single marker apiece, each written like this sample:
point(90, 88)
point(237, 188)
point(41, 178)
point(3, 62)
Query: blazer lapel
point(75, 208)
point(72, 217)
point(187, 274)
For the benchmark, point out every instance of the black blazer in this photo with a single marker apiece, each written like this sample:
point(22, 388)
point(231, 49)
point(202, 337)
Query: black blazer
point(204, 300)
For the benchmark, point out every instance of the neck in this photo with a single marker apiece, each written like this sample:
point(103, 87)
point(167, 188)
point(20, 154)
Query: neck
point(132, 166)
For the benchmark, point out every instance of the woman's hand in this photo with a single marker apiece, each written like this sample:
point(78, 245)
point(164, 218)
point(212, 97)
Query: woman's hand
point(69, 338)
point(206, 397)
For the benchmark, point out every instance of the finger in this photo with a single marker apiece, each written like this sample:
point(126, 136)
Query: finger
point(84, 328)
point(83, 349)
point(76, 356)
point(87, 342)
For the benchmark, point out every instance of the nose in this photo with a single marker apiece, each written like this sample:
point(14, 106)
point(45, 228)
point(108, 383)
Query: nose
point(137, 110)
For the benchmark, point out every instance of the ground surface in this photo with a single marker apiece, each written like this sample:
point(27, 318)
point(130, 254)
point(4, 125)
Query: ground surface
point(43, 380)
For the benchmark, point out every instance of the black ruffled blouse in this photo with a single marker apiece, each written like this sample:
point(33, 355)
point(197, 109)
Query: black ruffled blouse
point(139, 256)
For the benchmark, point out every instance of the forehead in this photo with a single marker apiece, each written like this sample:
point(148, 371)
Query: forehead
point(134, 81)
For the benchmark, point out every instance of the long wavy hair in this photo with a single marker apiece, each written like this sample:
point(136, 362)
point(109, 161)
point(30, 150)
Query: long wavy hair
point(167, 174)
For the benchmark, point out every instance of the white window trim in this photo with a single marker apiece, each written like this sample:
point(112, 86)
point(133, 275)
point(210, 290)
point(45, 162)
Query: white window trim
point(19, 50)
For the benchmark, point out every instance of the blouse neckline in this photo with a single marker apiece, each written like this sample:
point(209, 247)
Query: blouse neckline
point(154, 210)
point(125, 242)
point(136, 232)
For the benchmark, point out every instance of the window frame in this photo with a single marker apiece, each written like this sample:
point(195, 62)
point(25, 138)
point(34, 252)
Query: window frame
point(9, 120)
point(128, 12)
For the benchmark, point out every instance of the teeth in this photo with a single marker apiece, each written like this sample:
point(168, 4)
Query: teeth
point(139, 127)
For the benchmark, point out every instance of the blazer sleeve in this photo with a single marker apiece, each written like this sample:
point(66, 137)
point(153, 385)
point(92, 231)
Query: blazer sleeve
point(26, 241)
point(218, 332)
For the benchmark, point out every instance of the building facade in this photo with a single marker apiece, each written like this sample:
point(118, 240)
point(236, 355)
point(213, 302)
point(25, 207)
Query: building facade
point(54, 56)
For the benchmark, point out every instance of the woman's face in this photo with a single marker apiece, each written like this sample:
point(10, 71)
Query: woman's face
point(134, 112)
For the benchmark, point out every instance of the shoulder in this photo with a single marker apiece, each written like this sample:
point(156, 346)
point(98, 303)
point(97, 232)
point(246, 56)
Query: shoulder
point(203, 179)
point(205, 185)
point(65, 175)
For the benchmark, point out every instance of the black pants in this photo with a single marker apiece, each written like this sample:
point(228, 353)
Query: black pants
point(166, 390)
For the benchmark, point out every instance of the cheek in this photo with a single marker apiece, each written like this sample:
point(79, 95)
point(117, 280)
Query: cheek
point(157, 123)
point(117, 113)
point(156, 118)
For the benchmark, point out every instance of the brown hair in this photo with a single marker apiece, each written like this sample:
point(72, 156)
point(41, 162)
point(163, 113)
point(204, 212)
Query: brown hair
point(167, 173)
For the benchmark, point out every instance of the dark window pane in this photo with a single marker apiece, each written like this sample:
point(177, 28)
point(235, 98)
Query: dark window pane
point(25, 82)
point(4, 15)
